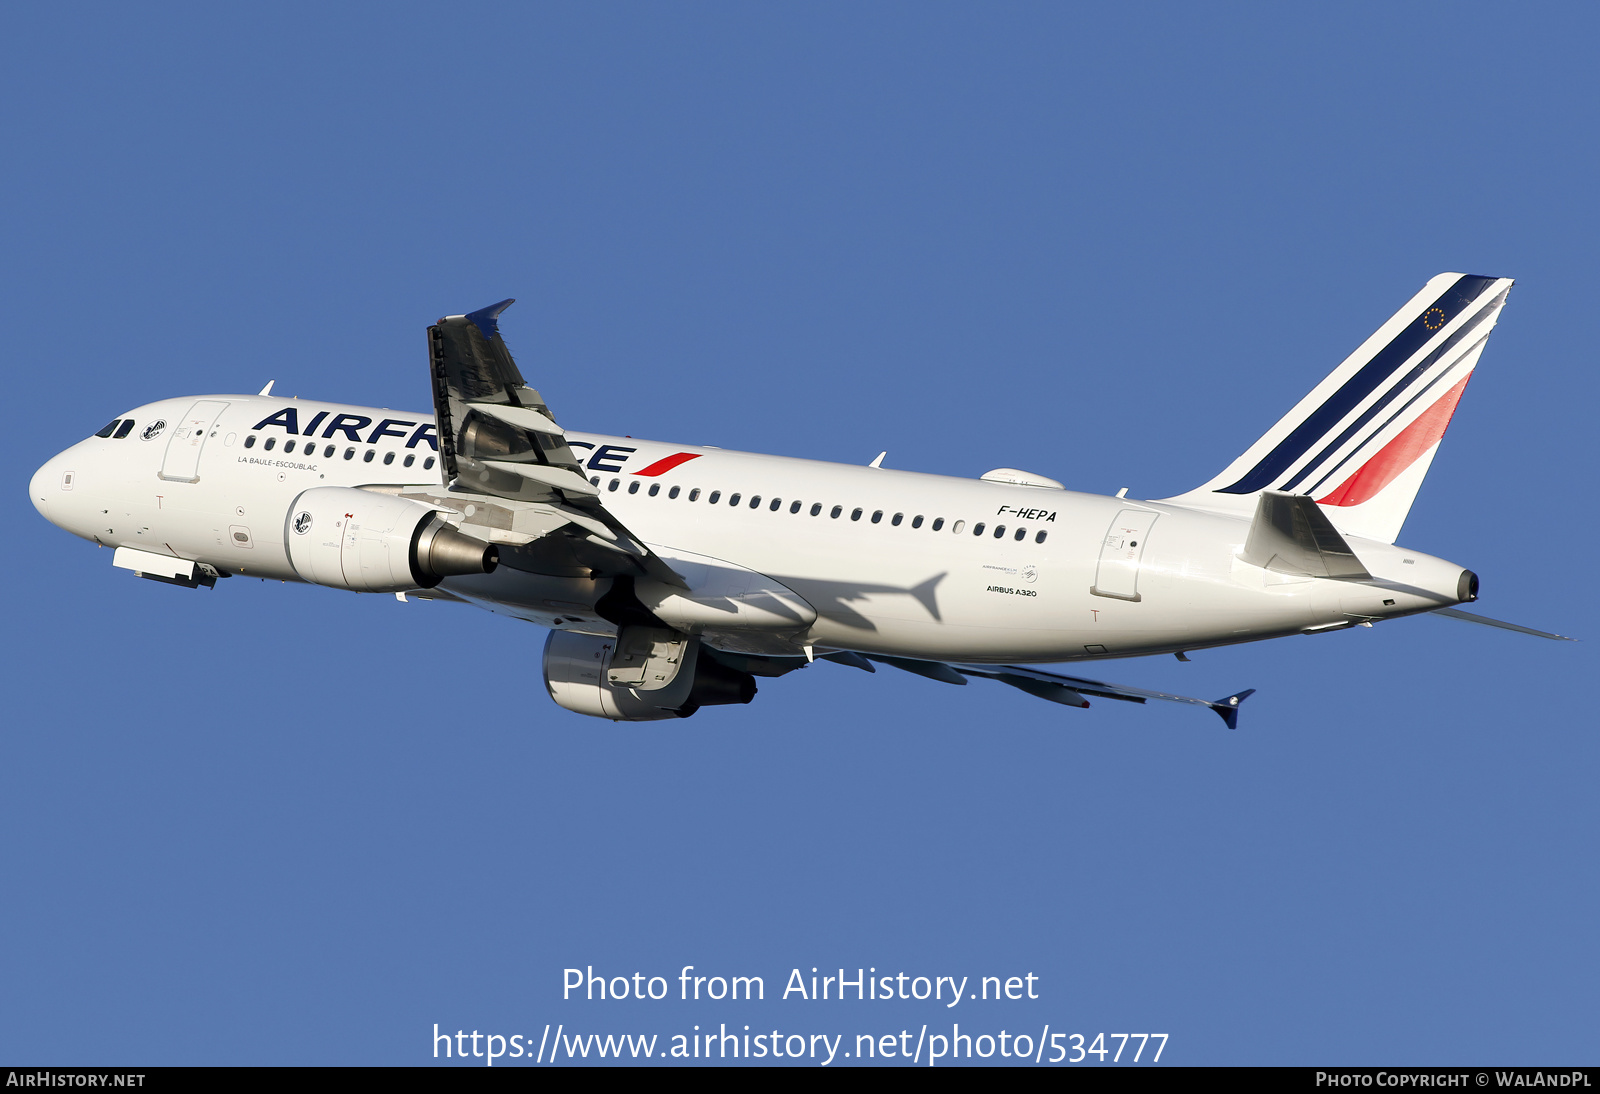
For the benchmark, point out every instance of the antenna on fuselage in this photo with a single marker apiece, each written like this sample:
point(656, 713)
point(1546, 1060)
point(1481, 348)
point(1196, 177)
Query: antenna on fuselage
point(268, 389)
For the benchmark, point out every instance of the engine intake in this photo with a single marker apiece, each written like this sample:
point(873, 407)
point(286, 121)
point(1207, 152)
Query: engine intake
point(373, 543)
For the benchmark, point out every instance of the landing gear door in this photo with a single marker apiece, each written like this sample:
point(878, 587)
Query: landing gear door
point(182, 462)
point(1117, 575)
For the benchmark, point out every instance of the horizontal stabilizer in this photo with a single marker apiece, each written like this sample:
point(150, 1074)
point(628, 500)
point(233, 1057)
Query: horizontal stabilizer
point(1292, 535)
point(1468, 617)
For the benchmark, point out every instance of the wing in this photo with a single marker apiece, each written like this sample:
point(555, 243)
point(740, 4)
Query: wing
point(1066, 690)
point(498, 439)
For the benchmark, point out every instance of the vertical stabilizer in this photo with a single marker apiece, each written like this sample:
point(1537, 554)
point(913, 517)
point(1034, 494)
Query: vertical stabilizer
point(1361, 442)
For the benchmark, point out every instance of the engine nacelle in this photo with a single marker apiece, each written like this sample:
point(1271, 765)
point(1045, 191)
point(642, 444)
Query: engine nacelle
point(575, 673)
point(376, 543)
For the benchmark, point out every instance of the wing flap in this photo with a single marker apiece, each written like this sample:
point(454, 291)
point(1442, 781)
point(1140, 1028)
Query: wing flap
point(499, 439)
point(558, 478)
point(519, 416)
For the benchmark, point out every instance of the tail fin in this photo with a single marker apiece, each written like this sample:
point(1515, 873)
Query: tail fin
point(1362, 441)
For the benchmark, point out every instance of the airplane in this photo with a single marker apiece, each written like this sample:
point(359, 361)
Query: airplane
point(671, 577)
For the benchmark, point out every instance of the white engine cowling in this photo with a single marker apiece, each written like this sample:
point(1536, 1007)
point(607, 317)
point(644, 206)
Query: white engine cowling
point(575, 668)
point(376, 543)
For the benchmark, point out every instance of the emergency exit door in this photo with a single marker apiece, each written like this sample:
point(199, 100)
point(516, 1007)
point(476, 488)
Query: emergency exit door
point(182, 462)
point(1118, 572)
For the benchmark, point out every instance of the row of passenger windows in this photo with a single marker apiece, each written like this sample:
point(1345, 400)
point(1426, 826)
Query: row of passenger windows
point(775, 504)
point(327, 453)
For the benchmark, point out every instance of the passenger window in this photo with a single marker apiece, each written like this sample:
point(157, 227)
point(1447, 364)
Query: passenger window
point(427, 464)
point(1039, 537)
point(410, 459)
point(816, 508)
point(250, 441)
point(388, 458)
point(734, 500)
point(109, 428)
point(595, 481)
point(755, 501)
point(125, 428)
point(977, 529)
point(673, 493)
point(916, 521)
point(1022, 534)
point(835, 511)
point(612, 486)
point(877, 516)
point(957, 526)
point(694, 495)
point(288, 447)
point(855, 514)
point(327, 453)
point(716, 496)
point(777, 503)
point(794, 507)
point(633, 487)
point(655, 488)
point(349, 453)
point(270, 443)
point(938, 523)
point(368, 457)
point(898, 517)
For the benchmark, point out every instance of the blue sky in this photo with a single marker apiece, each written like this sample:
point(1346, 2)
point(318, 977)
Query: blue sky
point(278, 824)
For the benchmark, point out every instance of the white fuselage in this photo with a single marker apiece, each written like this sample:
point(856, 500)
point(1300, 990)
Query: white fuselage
point(903, 569)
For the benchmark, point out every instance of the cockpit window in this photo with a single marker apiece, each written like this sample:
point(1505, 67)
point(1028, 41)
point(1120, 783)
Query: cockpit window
point(124, 429)
point(110, 428)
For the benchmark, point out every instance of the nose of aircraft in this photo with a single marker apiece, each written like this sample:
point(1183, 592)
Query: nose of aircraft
point(38, 488)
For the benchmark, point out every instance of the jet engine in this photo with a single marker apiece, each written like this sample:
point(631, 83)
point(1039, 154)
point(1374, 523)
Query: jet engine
point(578, 669)
point(375, 543)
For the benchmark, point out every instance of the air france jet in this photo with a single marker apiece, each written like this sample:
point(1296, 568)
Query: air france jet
point(672, 576)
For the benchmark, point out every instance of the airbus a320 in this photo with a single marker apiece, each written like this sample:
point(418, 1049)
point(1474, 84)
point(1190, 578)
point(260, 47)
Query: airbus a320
point(671, 576)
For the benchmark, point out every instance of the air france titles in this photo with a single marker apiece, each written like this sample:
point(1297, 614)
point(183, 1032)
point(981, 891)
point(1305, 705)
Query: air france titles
point(350, 427)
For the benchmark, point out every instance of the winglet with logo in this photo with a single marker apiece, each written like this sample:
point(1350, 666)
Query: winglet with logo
point(1228, 709)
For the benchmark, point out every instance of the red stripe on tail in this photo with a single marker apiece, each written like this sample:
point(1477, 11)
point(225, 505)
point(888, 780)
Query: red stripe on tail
point(1400, 453)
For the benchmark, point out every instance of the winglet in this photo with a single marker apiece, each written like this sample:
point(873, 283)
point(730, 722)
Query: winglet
point(488, 319)
point(1228, 709)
